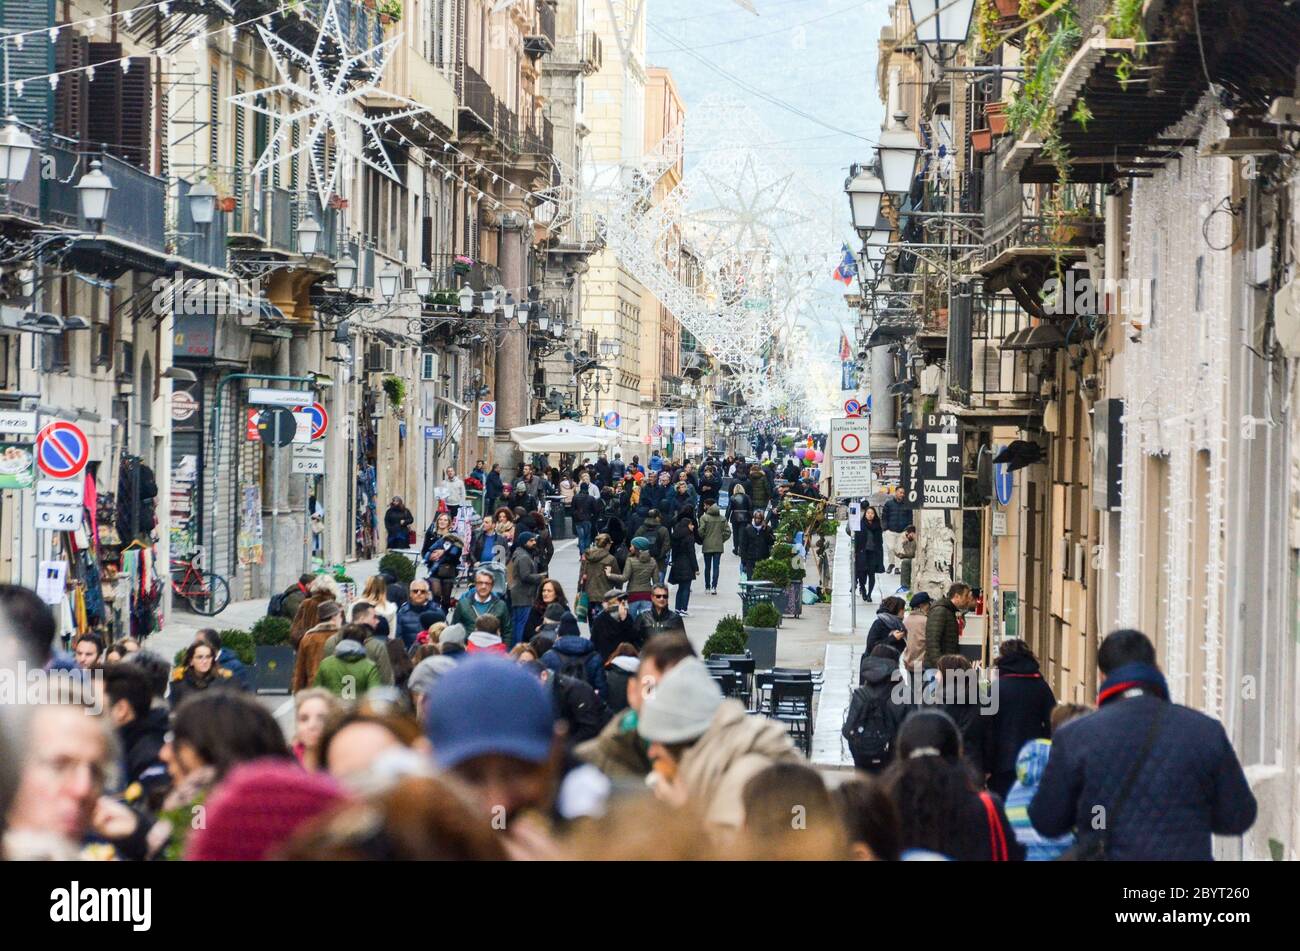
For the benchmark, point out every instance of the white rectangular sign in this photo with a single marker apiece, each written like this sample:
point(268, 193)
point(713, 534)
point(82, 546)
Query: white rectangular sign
point(60, 492)
point(487, 418)
point(58, 518)
point(668, 419)
point(303, 466)
point(305, 428)
point(999, 522)
point(849, 448)
point(17, 421)
point(262, 396)
point(941, 494)
point(309, 450)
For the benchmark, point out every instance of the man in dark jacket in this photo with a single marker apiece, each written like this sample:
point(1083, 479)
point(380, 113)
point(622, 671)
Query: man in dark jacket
point(660, 617)
point(575, 704)
point(397, 523)
point(661, 541)
point(492, 489)
point(1187, 781)
point(587, 509)
point(1024, 711)
point(141, 729)
point(602, 471)
point(613, 625)
point(417, 603)
point(942, 632)
point(895, 516)
point(295, 595)
point(756, 542)
point(576, 656)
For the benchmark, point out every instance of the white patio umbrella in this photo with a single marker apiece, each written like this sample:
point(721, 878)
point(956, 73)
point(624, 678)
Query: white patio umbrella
point(555, 442)
point(567, 428)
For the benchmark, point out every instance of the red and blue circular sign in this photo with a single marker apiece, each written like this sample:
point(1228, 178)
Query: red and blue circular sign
point(852, 408)
point(62, 450)
point(320, 420)
point(612, 419)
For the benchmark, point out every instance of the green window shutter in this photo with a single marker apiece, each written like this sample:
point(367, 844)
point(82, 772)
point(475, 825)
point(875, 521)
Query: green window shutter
point(36, 105)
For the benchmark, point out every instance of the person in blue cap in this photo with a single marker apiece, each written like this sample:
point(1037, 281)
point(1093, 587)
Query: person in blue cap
point(491, 724)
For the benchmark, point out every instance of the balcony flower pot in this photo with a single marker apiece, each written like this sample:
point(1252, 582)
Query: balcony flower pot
point(981, 141)
point(996, 113)
point(1008, 8)
point(227, 203)
point(760, 643)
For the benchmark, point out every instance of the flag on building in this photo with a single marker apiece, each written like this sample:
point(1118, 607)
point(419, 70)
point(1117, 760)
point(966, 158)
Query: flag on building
point(848, 369)
point(848, 268)
point(846, 352)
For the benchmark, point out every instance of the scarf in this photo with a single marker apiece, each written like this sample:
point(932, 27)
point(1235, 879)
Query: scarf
point(1128, 676)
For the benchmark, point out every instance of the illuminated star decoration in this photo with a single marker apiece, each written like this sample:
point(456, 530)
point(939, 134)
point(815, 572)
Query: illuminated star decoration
point(323, 104)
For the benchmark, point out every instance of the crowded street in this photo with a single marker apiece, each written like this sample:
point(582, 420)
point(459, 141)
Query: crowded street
point(650, 430)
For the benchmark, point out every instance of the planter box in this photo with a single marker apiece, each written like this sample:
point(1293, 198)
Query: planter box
point(274, 672)
point(996, 113)
point(1008, 8)
point(981, 141)
point(760, 643)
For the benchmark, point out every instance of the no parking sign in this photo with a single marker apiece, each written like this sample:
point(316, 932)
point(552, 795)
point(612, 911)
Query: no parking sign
point(487, 418)
point(320, 420)
point(62, 450)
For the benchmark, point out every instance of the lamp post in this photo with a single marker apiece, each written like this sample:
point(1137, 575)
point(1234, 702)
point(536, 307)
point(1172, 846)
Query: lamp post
point(865, 192)
point(941, 23)
point(345, 273)
point(423, 282)
point(465, 297)
point(203, 202)
point(388, 281)
point(900, 155)
point(309, 230)
point(16, 150)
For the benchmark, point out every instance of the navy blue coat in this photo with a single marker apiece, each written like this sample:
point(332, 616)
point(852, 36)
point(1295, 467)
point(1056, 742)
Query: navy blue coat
point(571, 648)
point(1025, 704)
point(408, 620)
point(895, 516)
point(1191, 784)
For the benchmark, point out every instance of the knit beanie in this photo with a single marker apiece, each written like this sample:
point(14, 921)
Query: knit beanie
point(258, 809)
point(453, 634)
point(641, 543)
point(682, 706)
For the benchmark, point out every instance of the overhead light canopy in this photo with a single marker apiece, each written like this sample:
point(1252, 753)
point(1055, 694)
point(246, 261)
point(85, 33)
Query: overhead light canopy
point(865, 192)
point(900, 155)
point(941, 22)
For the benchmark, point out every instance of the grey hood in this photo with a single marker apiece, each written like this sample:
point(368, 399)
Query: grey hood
point(348, 649)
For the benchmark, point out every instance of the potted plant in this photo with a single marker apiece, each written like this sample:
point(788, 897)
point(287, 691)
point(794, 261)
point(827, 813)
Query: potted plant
point(727, 638)
point(390, 11)
point(227, 202)
point(996, 114)
point(273, 655)
point(981, 141)
point(461, 264)
point(760, 634)
point(1008, 9)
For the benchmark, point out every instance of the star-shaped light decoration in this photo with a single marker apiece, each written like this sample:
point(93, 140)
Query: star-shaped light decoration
point(323, 101)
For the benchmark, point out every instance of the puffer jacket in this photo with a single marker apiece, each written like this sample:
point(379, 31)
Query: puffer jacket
point(1025, 704)
point(685, 565)
point(348, 668)
point(573, 649)
point(734, 748)
point(638, 573)
point(375, 649)
point(714, 531)
point(524, 578)
point(760, 492)
point(1029, 773)
point(942, 633)
point(598, 559)
point(1190, 787)
point(741, 508)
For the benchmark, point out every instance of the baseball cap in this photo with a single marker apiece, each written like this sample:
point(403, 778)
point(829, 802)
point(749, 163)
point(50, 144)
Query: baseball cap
point(920, 599)
point(489, 705)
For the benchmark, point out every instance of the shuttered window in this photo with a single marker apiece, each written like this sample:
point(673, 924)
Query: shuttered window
point(36, 58)
point(214, 118)
point(238, 175)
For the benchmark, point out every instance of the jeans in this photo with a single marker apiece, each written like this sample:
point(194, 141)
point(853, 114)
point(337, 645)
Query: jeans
point(712, 565)
point(518, 620)
point(583, 530)
point(683, 596)
point(636, 608)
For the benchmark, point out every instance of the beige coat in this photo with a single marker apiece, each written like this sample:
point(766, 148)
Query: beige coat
point(734, 748)
point(914, 654)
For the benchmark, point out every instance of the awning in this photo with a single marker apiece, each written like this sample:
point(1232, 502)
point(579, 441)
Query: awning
point(558, 442)
point(565, 428)
point(1040, 337)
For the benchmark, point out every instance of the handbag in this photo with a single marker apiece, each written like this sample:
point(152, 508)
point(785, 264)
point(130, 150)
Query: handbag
point(581, 606)
point(997, 834)
point(1095, 847)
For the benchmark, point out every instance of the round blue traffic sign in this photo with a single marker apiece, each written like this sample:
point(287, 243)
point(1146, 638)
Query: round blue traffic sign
point(320, 420)
point(852, 408)
point(1003, 481)
point(62, 450)
point(612, 419)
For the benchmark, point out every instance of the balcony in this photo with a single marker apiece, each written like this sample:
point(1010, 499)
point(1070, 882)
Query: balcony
point(478, 106)
point(202, 244)
point(590, 53)
point(987, 372)
point(540, 38)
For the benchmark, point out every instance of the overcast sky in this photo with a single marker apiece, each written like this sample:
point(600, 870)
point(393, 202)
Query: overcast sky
point(817, 56)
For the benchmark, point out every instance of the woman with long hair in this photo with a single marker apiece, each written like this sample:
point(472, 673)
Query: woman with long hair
point(376, 593)
point(868, 552)
point(938, 805)
point(549, 592)
point(313, 708)
point(442, 557)
point(199, 671)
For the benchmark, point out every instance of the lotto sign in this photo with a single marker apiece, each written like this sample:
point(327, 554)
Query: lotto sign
point(850, 453)
point(487, 418)
point(932, 464)
point(852, 408)
point(62, 450)
point(320, 420)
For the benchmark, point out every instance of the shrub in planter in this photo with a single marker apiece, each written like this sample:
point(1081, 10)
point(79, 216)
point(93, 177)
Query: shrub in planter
point(241, 642)
point(763, 614)
point(403, 568)
point(773, 570)
point(727, 638)
point(271, 631)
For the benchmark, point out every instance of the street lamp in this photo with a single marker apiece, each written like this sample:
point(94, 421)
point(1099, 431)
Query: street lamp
point(557, 329)
point(900, 155)
point(865, 192)
point(609, 349)
point(345, 273)
point(466, 297)
point(941, 22)
point(508, 309)
point(16, 150)
point(423, 282)
point(94, 190)
point(543, 320)
point(388, 280)
point(490, 301)
point(309, 230)
point(203, 203)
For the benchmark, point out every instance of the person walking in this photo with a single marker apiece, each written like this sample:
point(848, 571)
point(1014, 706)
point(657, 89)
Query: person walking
point(492, 488)
point(639, 575)
point(397, 524)
point(738, 513)
point(595, 579)
point(685, 567)
point(895, 516)
point(868, 555)
point(914, 623)
point(714, 532)
point(875, 711)
point(888, 627)
point(1166, 775)
point(587, 509)
point(524, 579)
point(1024, 712)
point(942, 632)
point(756, 541)
point(452, 490)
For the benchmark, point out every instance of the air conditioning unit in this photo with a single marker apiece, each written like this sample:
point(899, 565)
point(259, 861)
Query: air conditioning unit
point(428, 365)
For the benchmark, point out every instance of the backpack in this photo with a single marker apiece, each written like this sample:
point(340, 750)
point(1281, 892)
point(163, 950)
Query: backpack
point(275, 607)
point(868, 731)
point(576, 667)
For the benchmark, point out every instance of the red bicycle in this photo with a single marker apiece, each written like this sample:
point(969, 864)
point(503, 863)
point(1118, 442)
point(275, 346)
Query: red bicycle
point(206, 592)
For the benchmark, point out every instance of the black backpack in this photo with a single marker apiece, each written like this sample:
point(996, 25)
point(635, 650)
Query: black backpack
point(868, 730)
point(576, 667)
point(275, 607)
